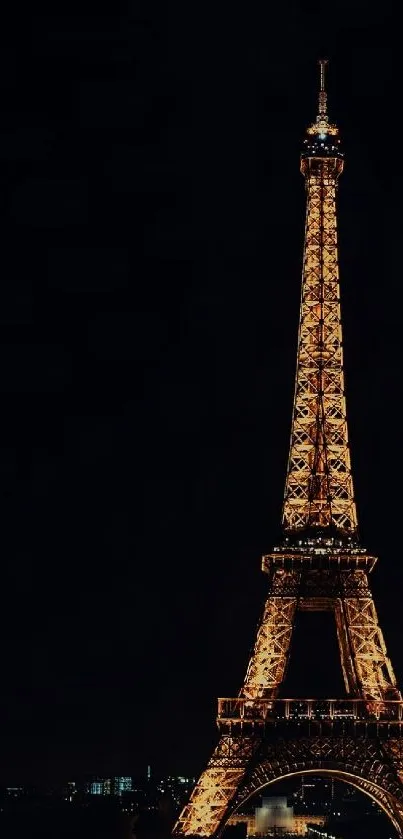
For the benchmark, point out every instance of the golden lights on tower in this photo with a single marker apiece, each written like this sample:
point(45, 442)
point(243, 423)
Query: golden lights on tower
point(319, 486)
point(319, 567)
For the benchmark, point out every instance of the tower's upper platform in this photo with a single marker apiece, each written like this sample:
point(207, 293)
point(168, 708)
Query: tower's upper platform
point(322, 137)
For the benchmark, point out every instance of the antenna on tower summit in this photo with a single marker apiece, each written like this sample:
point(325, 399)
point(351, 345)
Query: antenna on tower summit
point(322, 92)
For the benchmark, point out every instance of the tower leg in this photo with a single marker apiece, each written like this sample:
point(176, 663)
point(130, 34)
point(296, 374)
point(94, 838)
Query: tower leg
point(216, 787)
point(218, 784)
point(268, 662)
point(370, 671)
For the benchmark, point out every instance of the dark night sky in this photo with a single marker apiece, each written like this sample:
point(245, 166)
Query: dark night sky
point(151, 245)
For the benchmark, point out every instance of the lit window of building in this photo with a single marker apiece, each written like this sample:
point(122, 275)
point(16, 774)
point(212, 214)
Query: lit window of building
point(96, 788)
point(122, 785)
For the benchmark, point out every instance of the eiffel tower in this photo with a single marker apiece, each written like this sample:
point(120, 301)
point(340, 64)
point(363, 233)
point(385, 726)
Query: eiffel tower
point(320, 566)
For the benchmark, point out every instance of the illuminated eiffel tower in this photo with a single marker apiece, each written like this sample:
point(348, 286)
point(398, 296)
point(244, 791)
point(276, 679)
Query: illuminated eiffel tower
point(320, 566)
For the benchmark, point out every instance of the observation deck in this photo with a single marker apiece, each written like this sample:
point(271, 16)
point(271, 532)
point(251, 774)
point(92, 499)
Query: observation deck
point(322, 144)
point(285, 717)
point(318, 552)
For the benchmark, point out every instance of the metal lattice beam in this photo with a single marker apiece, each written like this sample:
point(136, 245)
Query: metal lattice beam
point(268, 662)
point(373, 668)
point(216, 787)
point(319, 486)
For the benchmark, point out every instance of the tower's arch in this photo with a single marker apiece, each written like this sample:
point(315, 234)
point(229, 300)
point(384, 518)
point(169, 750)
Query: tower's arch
point(266, 775)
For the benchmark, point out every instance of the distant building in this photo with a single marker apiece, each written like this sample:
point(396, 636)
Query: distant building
point(275, 813)
point(110, 786)
point(276, 817)
point(69, 791)
point(14, 792)
point(122, 785)
point(96, 788)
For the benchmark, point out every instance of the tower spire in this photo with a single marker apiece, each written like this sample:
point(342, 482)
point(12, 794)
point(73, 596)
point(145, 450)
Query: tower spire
point(322, 92)
point(322, 126)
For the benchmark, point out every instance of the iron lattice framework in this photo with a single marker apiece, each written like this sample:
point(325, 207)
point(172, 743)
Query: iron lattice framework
point(319, 567)
point(319, 486)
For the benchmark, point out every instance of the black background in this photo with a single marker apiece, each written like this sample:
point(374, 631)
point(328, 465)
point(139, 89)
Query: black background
point(152, 216)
